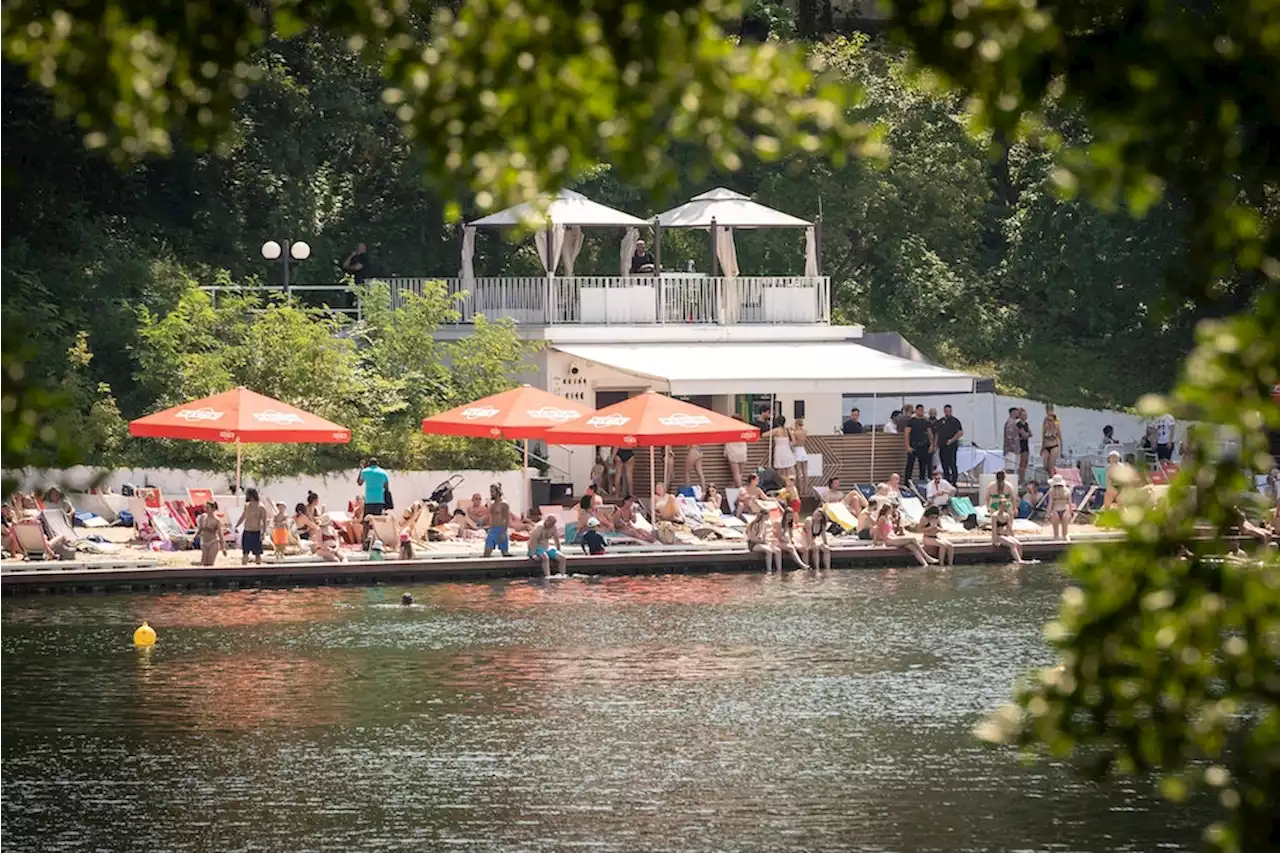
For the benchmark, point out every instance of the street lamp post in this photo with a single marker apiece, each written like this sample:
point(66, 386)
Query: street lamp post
point(290, 251)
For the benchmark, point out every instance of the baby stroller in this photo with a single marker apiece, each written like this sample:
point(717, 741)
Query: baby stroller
point(443, 493)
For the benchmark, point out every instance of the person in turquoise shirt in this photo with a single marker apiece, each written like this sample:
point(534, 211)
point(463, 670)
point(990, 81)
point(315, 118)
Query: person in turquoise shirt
point(375, 481)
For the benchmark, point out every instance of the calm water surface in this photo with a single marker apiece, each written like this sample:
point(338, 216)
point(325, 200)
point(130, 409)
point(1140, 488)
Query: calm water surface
point(720, 712)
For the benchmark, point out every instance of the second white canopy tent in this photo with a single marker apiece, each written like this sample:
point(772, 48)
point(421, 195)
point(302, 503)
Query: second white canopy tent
point(558, 222)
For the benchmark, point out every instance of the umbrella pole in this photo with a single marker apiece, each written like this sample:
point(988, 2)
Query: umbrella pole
point(524, 472)
point(238, 452)
point(653, 485)
point(873, 439)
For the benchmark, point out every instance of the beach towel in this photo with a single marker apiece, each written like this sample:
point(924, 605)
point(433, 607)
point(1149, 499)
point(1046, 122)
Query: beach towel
point(867, 489)
point(689, 506)
point(965, 512)
point(840, 514)
point(1071, 475)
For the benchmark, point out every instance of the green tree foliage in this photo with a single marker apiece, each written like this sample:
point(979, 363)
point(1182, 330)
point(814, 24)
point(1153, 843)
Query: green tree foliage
point(508, 97)
point(1169, 650)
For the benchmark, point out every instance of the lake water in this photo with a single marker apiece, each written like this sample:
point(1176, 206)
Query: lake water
point(685, 712)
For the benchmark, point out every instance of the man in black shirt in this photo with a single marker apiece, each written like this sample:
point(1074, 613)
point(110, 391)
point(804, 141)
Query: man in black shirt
point(949, 431)
point(357, 264)
point(853, 426)
point(642, 261)
point(765, 420)
point(919, 443)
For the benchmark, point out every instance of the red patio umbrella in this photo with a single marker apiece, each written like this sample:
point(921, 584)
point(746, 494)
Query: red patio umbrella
point(653, 420)
point(521, 413)
point(242, 416)
point(524, 412)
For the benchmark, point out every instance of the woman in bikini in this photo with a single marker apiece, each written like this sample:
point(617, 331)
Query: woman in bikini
point(624, 520)
point(817, 542)
point(1050, 439)
point(785, 533)
point(1060, 507)
point(934, 543)
point(884, 532)
point(1002, 532)
point(305, 523)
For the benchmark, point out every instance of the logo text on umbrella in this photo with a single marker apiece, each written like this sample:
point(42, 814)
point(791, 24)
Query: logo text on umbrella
point(205, 414)
point(684, 421)
point(479, 412)
point(271, 416)
point(550, 413)
point(608, 421)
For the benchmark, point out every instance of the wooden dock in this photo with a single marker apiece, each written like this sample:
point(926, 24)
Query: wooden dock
point(88, 578)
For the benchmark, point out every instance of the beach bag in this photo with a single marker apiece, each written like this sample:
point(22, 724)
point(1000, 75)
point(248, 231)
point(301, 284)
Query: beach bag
point(386, 497)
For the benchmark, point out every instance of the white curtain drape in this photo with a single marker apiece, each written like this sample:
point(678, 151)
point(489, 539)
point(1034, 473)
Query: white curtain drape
point(629, 241)
point(810, 252)
point(468, 271)
point(572, 246)
point(550, 256)
point(726, 252)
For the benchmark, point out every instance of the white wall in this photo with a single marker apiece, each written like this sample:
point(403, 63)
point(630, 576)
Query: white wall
point(582, 387)
point(334, 490)
point(983, 417)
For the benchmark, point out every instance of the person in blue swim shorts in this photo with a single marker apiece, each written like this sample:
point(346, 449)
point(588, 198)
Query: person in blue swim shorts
point(544, 545)
point(499, 518)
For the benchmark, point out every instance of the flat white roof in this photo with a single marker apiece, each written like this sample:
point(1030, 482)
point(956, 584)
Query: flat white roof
point(773, 368)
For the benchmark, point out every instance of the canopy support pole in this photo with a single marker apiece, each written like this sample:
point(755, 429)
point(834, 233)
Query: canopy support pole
point(874, 423)
point(524, 473)
point(239, 452)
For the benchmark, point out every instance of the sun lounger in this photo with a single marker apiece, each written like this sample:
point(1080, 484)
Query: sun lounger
point(104, 506)
point(57, 524)
point(29, 540)
point(199, 497)
point(151, 496)
point(921, 489)
point(911, 509)
point(1100, 475)
point(1080, 498)
point(384, 527)
point(840, 514)
point(868, 490)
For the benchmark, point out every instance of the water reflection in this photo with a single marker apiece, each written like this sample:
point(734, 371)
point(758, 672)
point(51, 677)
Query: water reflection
point(631, 714)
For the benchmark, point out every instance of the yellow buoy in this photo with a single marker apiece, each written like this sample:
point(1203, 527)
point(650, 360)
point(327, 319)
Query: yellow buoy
point(145, 635)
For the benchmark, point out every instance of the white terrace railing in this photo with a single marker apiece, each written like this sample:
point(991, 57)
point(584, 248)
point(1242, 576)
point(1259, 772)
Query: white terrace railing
point(671, 298)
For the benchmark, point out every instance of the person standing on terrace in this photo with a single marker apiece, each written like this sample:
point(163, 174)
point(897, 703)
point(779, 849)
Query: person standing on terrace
point(642, 262)
point(853, 426)
point(919, 444)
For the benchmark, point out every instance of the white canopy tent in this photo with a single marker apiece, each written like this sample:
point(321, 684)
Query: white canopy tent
point(722, 211)
point(558, 221)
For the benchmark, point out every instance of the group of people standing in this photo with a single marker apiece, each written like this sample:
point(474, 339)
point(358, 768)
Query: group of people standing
point(1017, 441)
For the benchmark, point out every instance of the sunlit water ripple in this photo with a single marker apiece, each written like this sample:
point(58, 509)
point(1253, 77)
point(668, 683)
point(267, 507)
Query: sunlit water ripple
point(714, 712)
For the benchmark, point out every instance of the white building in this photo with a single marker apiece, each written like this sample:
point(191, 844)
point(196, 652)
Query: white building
point(731, 342)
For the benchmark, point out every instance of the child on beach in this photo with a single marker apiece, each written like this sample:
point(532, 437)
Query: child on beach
point(280, 531)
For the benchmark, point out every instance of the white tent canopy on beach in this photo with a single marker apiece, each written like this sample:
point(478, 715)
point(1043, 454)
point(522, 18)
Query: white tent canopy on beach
point(724, 211)
point(559, 221)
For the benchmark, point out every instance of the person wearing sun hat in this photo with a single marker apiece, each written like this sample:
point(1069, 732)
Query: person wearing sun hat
point(592, 540)
point(1059, 506)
